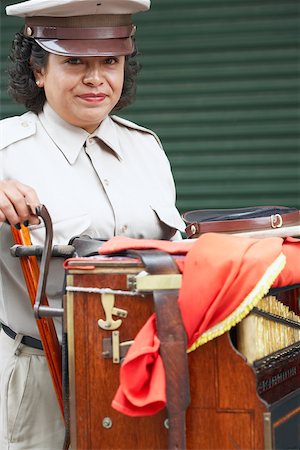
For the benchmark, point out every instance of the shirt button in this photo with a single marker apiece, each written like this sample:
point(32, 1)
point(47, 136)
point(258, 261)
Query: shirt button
point(24, 124)
point(123, 228)
point(106, 182)
point(90, 140)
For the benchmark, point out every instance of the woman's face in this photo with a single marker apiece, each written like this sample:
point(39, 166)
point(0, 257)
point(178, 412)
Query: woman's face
point(82, 90)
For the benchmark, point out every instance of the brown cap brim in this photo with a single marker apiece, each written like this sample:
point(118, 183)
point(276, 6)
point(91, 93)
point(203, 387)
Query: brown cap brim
point(106, 35)
point(88, 47)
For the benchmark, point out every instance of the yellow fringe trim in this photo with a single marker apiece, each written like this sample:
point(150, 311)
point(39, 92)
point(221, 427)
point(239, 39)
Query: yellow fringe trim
point(261, 288)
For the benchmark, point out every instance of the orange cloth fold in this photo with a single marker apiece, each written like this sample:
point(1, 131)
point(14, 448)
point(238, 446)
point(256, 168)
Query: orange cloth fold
point(224, 276)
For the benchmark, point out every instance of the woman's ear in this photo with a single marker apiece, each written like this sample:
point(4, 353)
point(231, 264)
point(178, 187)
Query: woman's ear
point(39, 79)
point(39, 76)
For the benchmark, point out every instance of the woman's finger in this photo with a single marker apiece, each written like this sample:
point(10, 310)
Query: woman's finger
point(14, 200)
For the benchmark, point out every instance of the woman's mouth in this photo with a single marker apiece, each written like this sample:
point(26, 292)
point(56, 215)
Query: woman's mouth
point(93, 98)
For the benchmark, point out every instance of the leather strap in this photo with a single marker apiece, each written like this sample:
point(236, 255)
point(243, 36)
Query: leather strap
point(173, 345)
point(272, 221)
point(50, 32)
point(26, 340)
point(42, 212)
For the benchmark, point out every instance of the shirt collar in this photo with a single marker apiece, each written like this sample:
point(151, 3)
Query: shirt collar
point(107, 133)
point(70, 139)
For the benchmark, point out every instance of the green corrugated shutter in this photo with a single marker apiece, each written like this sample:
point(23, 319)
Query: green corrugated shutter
point(220, 86)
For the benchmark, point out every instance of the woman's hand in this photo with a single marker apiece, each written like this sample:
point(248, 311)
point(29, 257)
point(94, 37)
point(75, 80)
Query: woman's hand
point(17, 203)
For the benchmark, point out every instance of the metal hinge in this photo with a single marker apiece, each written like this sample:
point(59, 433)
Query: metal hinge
point(113, 349)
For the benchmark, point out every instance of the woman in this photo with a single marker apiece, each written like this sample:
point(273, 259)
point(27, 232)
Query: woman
point(97, 174)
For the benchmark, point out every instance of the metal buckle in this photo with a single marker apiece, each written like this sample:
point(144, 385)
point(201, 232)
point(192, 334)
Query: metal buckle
point(276, 221)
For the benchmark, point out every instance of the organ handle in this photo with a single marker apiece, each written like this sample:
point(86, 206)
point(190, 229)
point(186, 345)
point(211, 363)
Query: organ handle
point(36, 291)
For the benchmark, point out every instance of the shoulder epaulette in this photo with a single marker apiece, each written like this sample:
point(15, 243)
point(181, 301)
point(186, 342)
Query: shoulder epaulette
point(134, 126)
point(14, 129)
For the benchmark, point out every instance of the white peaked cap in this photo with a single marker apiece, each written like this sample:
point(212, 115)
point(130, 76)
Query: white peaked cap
point(81, 27)
point(65, 8)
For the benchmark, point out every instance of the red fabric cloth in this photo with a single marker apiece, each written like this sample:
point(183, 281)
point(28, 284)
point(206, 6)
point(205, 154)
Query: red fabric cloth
point(219, 272)
point(119, 244)
point(290, 273)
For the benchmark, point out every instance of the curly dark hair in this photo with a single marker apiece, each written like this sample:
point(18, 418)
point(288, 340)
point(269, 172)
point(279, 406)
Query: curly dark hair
point(27, 55)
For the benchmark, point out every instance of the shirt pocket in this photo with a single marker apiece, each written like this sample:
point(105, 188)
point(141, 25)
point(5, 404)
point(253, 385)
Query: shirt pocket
point(169, 218)
point(63, 229)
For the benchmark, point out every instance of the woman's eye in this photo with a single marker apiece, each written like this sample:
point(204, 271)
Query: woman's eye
point(74, 61)
point(113, 60)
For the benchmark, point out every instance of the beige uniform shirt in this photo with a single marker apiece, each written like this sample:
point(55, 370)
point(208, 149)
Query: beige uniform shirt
point(116, 181)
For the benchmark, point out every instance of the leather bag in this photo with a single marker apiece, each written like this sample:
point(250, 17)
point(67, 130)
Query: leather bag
point(239, 220)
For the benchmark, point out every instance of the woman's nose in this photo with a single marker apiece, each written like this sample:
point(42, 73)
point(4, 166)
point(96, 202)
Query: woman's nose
point(93, 76)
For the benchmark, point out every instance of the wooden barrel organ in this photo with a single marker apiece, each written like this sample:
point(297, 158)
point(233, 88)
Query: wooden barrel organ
point(244, 393)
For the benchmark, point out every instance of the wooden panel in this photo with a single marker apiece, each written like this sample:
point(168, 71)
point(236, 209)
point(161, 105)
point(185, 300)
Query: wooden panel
point(202, 368)
point(238, 390)
point(225, 410)
point(97, 379)
point(238, 426)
